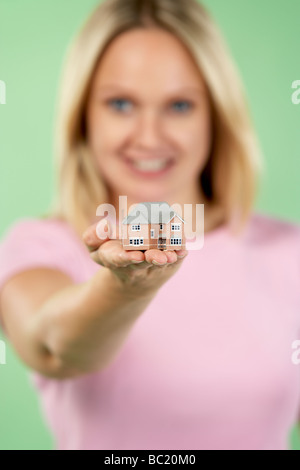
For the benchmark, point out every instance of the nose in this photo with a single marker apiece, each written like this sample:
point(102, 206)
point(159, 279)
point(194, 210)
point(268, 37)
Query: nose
point(148, 131)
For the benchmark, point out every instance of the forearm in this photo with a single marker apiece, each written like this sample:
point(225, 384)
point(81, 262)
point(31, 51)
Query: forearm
point(83, 326)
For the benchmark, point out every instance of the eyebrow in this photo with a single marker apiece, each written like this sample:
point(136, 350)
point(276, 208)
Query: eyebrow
point(121, 88)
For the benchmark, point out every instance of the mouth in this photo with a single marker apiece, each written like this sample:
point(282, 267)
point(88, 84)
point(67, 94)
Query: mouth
point(150, 167)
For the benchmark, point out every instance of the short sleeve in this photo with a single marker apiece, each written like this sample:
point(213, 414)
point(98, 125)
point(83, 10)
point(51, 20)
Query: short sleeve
point(30, 243)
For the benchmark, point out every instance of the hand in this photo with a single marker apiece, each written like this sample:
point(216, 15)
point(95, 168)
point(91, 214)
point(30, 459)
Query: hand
point(140, 272)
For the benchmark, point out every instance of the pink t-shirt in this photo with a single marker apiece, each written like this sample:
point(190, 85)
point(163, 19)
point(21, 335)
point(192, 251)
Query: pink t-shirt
point(208, 365)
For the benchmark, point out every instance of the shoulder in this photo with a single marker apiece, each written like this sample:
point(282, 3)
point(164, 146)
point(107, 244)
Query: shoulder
point(42, 242)
point(267, 229)
point(30, 238)
point(274, 241)
point(273, 246)
point(31, 228)
point(32, 223)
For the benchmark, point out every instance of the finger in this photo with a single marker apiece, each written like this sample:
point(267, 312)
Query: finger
point(181, 253)
point(112, 255)
point(171, 256)
point(175, 257)
point(91, 234)
point(156, 257)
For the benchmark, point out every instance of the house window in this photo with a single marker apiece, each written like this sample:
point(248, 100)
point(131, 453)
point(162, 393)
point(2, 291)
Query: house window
point(175, 227)
point(136, 241)
point(135, 228)
point(161, 226)
point(152, 233)
point(175, 241)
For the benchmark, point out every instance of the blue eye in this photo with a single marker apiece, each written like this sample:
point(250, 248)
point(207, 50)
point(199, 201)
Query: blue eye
point(122, 104)
point(186, 105)
point(118, 101)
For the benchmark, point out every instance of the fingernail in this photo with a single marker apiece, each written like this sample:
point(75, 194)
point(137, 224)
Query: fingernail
point(182, 255)
point(136, 262)
point(157, 263)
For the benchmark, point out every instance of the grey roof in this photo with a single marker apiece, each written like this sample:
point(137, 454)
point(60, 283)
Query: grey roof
point(158, 212)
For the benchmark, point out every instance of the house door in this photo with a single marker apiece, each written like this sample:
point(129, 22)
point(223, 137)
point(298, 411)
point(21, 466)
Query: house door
point(161, 243)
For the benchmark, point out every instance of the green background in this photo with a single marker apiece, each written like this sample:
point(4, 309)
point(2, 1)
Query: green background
point(264, 39)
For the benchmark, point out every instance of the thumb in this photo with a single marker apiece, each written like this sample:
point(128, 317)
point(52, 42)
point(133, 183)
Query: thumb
point(95, 235)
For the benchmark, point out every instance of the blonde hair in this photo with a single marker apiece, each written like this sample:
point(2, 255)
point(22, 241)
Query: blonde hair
point(230, 177)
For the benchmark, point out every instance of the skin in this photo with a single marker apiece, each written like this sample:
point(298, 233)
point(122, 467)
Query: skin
point(62, 329)
point(149, 103)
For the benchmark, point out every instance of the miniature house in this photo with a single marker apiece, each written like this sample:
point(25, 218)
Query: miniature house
point(153, 225)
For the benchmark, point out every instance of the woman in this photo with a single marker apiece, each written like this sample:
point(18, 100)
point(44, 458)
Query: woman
point(148, 350)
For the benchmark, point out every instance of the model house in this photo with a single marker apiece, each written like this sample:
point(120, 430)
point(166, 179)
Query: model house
point(153, 225)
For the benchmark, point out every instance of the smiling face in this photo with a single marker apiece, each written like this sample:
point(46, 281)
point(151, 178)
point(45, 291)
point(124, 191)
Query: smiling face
point(148, 119)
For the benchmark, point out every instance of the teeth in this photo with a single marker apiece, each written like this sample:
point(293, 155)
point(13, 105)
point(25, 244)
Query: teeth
point(150, 165)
